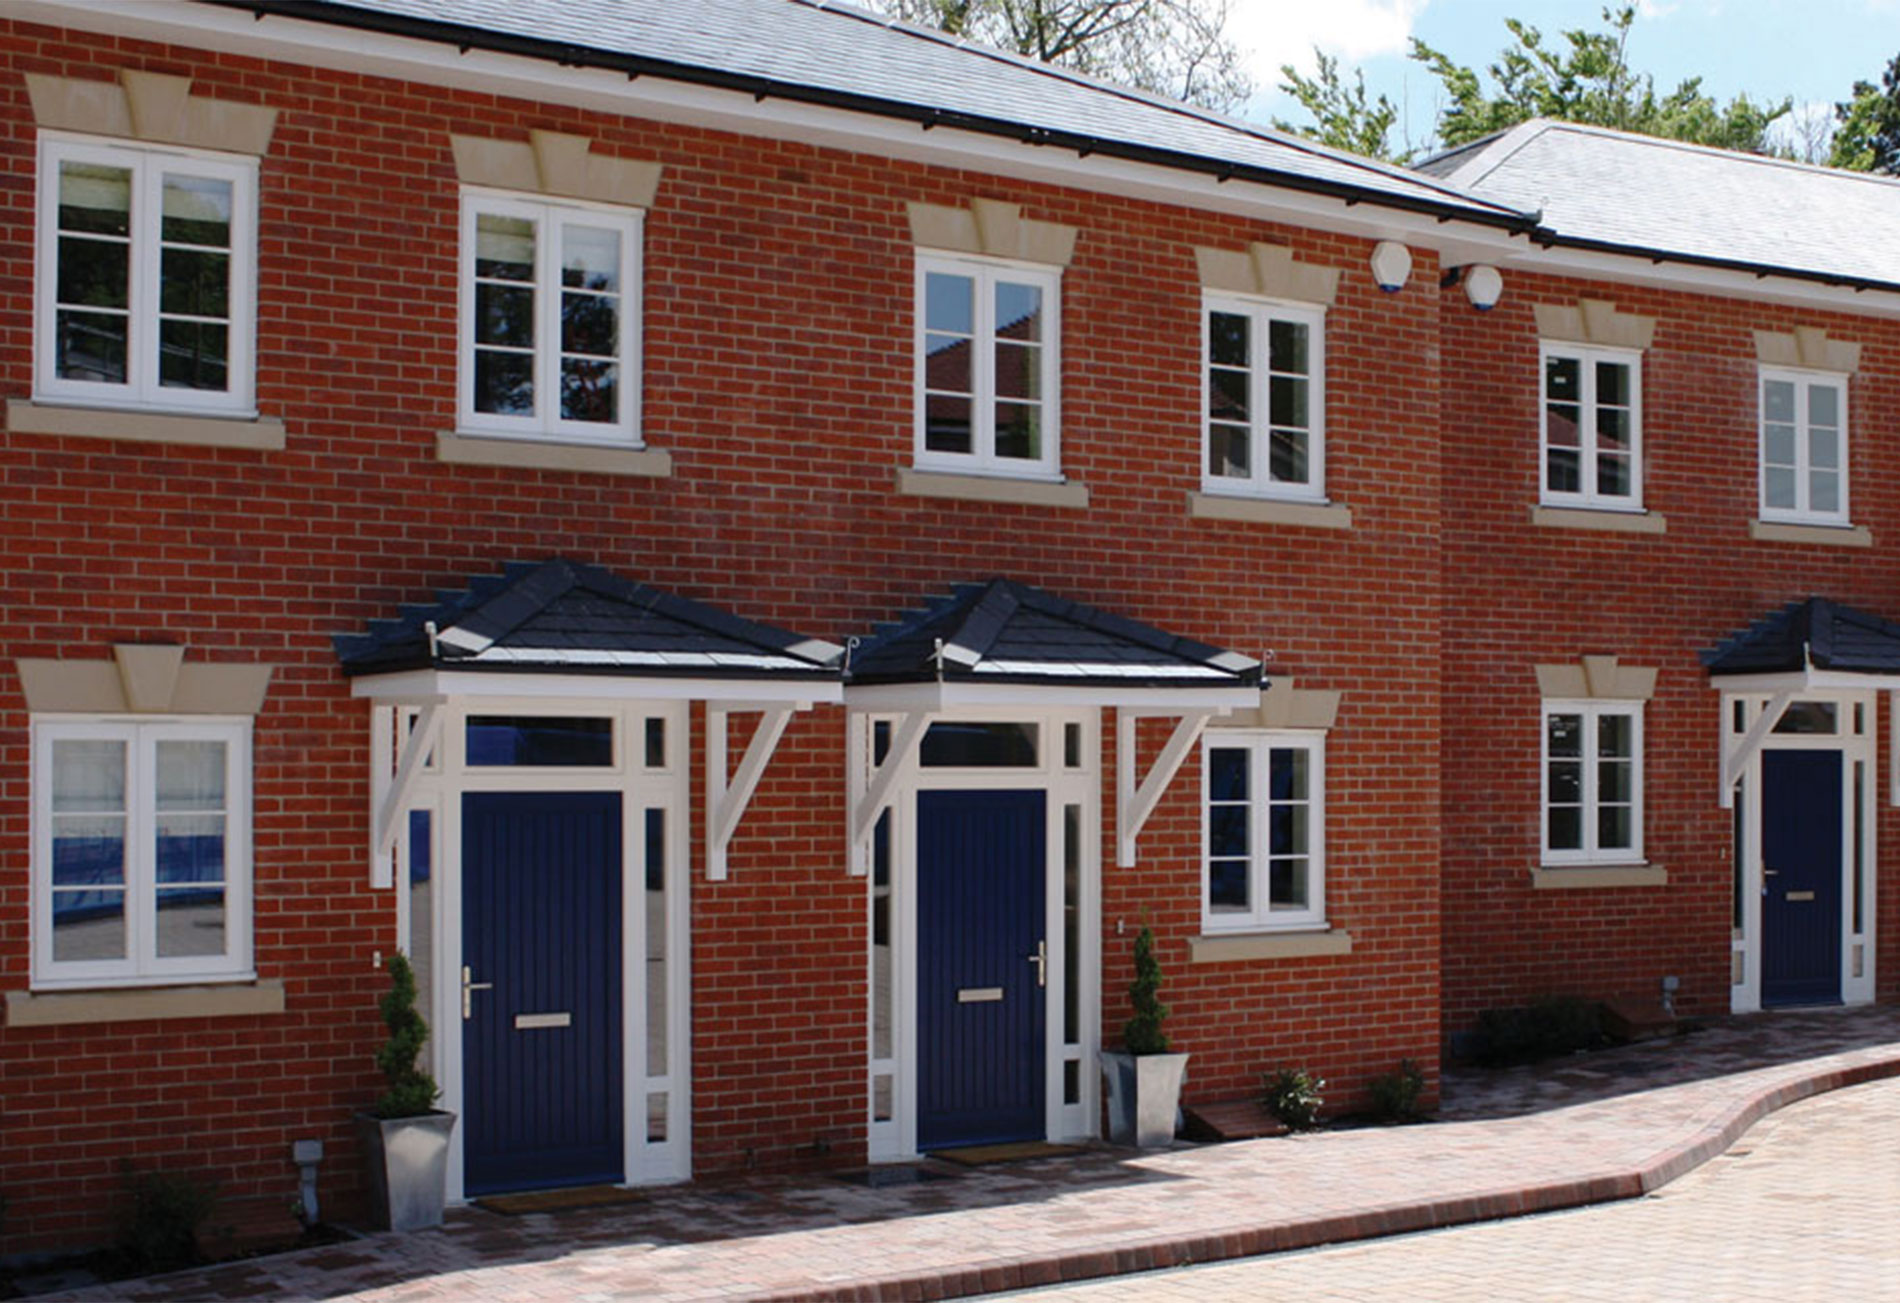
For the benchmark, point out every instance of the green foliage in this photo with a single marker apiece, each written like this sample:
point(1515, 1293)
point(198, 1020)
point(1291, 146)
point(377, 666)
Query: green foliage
point(1343, 115)
point(1587, 78)
point(411, 1092)
point(1170, 47)
point(158, 1220)
point(1143, 1034)
point(1295, 1097)
point(1558, 1025)
point(1395, 1094)
point(1868, 136)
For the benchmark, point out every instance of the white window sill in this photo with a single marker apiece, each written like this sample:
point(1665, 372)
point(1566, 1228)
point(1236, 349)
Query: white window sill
point(991, 488)
point(264, 434)
point(1269, 511)
point(1787, 531)
point(70, 1008)
point(549, 454)
point(1565, 876)
point(1605, 519)
point(1216, 947)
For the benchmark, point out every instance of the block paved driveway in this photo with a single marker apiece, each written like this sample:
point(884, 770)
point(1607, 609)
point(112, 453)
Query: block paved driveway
point(1803, 1207)
point(1606, 1126)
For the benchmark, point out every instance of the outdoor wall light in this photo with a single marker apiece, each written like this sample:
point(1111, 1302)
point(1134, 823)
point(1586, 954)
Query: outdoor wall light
point(1484, 286)
point(1391, 265)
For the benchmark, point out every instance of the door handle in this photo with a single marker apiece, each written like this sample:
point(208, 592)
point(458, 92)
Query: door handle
point(1771, 873)
point(1041, 960)
point(468, 990)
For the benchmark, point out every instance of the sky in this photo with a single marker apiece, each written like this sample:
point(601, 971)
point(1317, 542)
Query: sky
point(1813, 50)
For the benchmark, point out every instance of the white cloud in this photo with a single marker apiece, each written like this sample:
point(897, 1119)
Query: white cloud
point(1270, 33)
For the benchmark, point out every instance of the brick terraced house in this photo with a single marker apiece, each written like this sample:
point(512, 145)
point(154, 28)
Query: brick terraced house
point(761, 545)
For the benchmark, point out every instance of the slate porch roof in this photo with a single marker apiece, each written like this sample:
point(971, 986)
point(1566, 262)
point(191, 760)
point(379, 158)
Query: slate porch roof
point(1814, 632)
point(1008, 632)
point(565, 617)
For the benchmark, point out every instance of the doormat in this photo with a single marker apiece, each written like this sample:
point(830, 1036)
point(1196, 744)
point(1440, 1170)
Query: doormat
point(984, 1155)
point(558, 1201)
point(879, 1178)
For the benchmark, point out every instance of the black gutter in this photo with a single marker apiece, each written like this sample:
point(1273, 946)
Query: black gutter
point(761, 88)
point(1759, 270)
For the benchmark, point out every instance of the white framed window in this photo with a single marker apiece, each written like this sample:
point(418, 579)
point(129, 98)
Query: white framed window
point(1264, 830)
point(1592, 427)
point(1592, 782)
point(1265, 377)
point(988, 366)
point(141, 851)
point(550, 319)
point(145, 284)
point(1803, 447)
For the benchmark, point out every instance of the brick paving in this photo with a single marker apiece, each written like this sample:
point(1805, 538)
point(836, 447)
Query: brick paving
point(1605, 1126)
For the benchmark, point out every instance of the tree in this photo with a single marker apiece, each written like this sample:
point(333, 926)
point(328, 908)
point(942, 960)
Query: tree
point(1868, 139)
point(1343, 116)
point(1171, 47)
point(1590, 81)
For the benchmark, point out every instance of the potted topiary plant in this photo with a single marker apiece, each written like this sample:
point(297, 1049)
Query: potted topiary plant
point(1144, 1083)
point(405, 1136)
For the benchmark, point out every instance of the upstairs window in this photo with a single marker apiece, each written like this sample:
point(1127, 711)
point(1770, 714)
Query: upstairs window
point(1266, 402)
point(1804, 447)
point(549, 320)
point(987, 367)
point(145, 277)
point(1592, 428)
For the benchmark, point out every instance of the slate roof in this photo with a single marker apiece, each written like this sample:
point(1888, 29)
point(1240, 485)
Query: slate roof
point(1814, 632)
point(829, 52)
point(564, 617)
point(1598, 188)
point(1008, 632)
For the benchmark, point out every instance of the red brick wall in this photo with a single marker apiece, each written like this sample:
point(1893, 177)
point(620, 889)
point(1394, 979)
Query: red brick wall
point(1517, 595)
point(777, 373)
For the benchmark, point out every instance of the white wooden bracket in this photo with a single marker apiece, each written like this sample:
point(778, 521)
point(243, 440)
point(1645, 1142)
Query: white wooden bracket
point(1735, 757)
point(726, 799)
point(900, 761)
point(1133, 804)
point(393, 779)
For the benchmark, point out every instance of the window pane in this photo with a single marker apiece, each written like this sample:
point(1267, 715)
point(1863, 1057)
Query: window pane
point(1824, 448)
point(1229, 452)
point(197, 211)
point(1613, 828)
point(1613, 384)
point(504, 315)
point(94, 273)
point(1227, 891)
point(1287, 775)
point(1287, 884)
point(193, 354)
point(655, 920)
point(194, 283)
point(1824, 405)
point(1777, 444)
point(1824, 491)
point(88, 775)
point(1228, 396)
point(504, 383)
point(190, 922)
point(1019, 431)
point(1566, 782)
point(1286, 830)
point(947, 424)
point(656, 743)
point(1613, 429)
point(949, 303)
point(590, 324)
point(947, 364)
point(1227, 831)
point(88, 850)
point(1808, 717)
point(1071, 924)
point(1287, 402)
point(91, 346)
point(1613, 780)
point(504, 247)
point(1560, 426)
point(1018, 311)
point(1563, 471)
point(1777, 401)
point(1613, 476)
point(1286, 456)
point(95, 198)
point(590, 391)
point(967, 744)
point(1286, 347)
point(1563, 735)
point(881, 972)
point(1227, 339)
point(1018, 371)
point(1614, 734)
point(190, 775)
point(190, 848)
point(1566, 829)
point(538, 741)
point(1227, 773)
point(1563, 380)
point(88, 925)
point(590, 258)
point(1778, 488)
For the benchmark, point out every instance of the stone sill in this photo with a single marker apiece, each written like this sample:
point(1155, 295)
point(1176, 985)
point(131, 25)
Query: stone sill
point(1560, 876)
point(1267, 945)
point(1778, 531)
point(992, 488)
point(1269, 511)
point(139, 1004)
point(540, 454)
point(1603, 521)
point(261, 434)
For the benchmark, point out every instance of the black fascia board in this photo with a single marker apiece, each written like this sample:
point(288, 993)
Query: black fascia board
point(404, 664)
point(569, 55)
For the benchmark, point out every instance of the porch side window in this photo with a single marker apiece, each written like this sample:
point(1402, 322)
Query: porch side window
point(1265, 426)
point(550, 313)
point(1592, 782)
point(987, 367)
point(1803, 447)
point(141, 852)
point(1264, 830)
point(1592, 427)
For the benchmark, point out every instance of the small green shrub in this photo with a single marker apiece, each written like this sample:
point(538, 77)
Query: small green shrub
point(159, 1219)
point(412, 1091)
point(1558, 1025)
point(1295, 1097)
point(1395, 1094)
point(1143, 1034)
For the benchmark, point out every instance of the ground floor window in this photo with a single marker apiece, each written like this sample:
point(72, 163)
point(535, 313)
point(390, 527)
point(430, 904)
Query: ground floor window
point(1264, 830)
point(1592, 782)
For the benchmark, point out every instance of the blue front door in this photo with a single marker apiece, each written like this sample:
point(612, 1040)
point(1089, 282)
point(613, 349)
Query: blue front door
point(541, 1046)
point(980, 989)
point(1801, 877)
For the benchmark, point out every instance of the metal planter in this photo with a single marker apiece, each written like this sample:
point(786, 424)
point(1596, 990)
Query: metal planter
point(408, 1162)
point(1144, 1097)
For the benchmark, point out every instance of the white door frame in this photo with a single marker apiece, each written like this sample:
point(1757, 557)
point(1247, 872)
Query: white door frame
point(1857, 747)
point(445, 778)
point(893, 1078)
